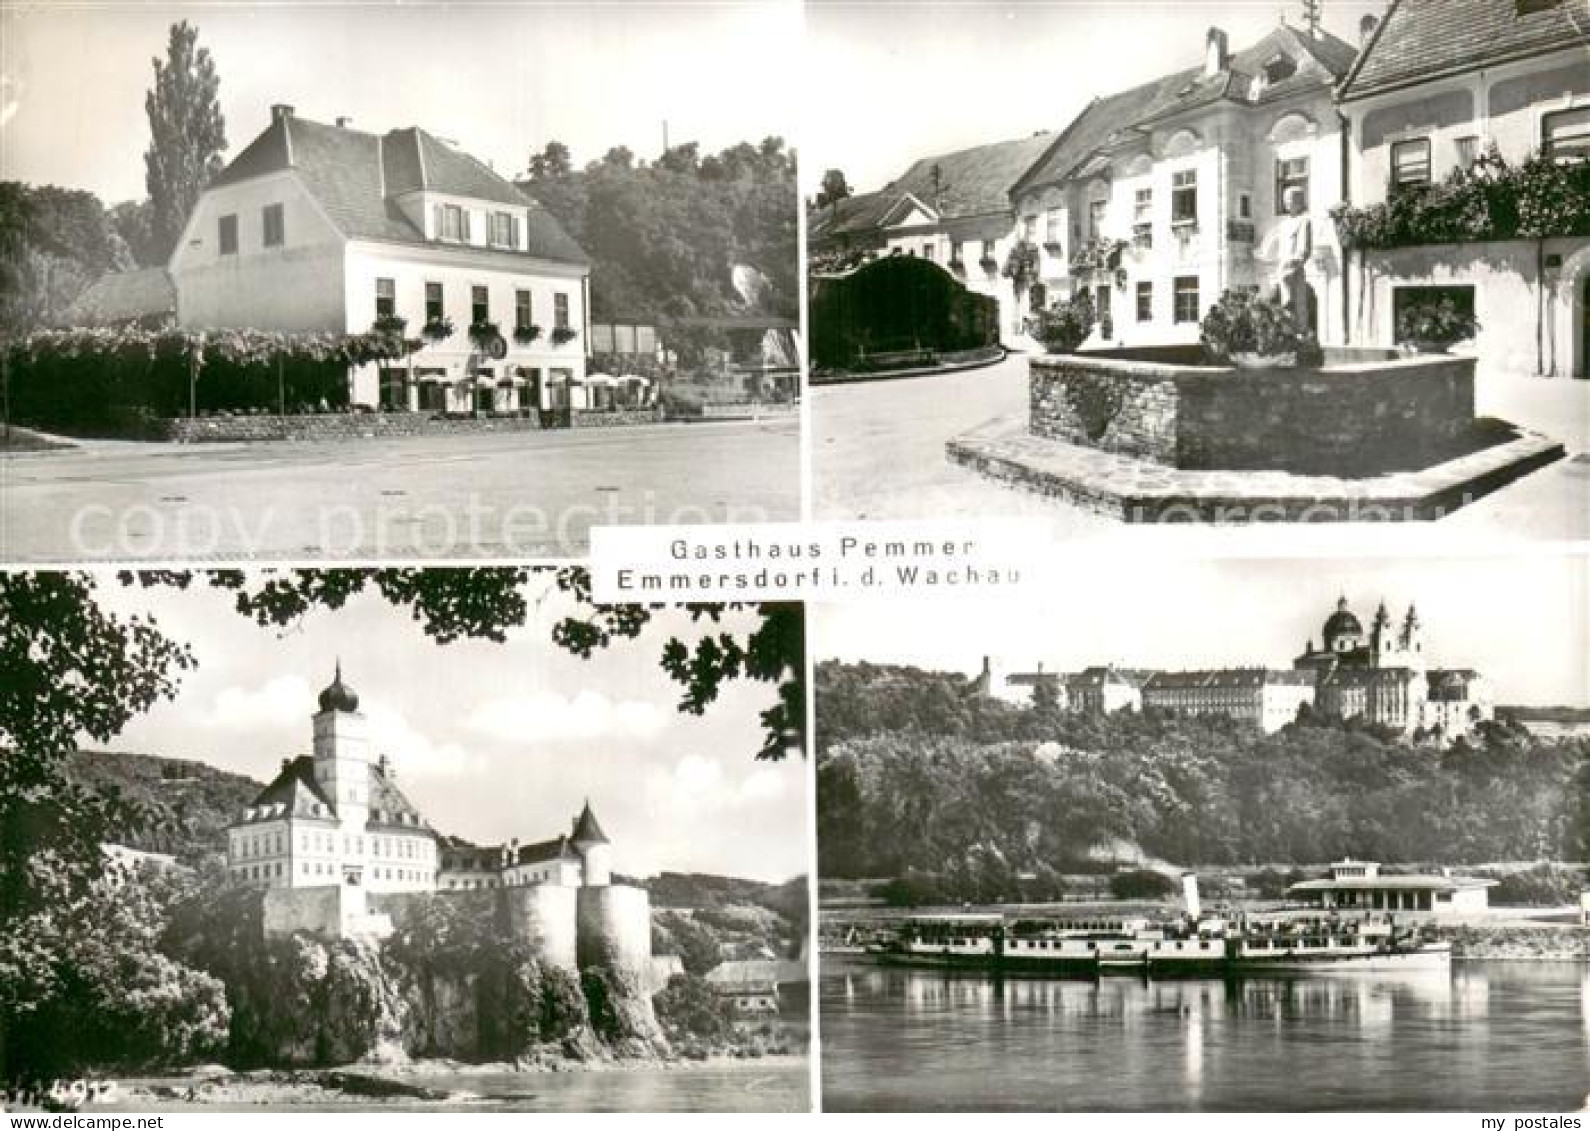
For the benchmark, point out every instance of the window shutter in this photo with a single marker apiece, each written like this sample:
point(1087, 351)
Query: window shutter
point(513, 230)
point(463, 225)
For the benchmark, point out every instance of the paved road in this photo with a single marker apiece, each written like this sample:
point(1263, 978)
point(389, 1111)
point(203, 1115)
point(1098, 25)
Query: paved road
point(518, 495)
point(878, 452)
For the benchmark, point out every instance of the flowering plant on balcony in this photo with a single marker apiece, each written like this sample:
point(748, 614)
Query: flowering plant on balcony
point(1433, 326)
point(1490, 200)
point(562, 334)
point(1097, 254)
point(524, 335)
point(483, 333)
point(1244, 329)
point(1021, 265)
point(437, 329)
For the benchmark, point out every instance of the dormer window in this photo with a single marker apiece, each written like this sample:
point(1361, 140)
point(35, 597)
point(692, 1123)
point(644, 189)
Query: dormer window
point(504, 230)
point(1279, 68)
point(452, 223)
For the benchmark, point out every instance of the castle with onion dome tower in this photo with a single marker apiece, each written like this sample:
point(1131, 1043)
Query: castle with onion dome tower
point(340, 851)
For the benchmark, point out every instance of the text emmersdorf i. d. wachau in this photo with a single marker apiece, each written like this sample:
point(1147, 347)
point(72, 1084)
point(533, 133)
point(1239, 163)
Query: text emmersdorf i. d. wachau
point(745, 563)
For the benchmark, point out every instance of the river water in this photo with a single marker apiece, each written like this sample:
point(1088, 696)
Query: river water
point(1487, 1036)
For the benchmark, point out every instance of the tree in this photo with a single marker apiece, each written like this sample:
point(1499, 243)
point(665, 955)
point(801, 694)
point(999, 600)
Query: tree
point(552, 162)
point(187, 134)
point(133, 221)
point(834, 188)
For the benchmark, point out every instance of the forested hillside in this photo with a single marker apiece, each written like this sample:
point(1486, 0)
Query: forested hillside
point(917, 777)
point(177, 806)
point(664, 237)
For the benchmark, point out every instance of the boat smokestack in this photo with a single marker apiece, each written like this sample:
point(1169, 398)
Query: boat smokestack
point(1189, 894)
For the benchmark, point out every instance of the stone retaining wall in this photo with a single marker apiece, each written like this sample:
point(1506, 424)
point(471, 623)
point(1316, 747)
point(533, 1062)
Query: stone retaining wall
point(615, 418)
point(1343, 418)
point(370, 425)
point(335, 426)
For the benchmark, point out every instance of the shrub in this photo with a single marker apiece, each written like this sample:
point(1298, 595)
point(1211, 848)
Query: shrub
point(1438, 322)
point(1065, 326)
point(562, 334)
point(1244, 323)
point(437, 329)
point(1541, 886)
point(524, 335)
point(1141, 883)
point(688, 1007)
point(482, 334)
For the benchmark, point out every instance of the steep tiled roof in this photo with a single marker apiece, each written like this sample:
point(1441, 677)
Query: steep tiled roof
point(971, 182)
point(586, 828)
point(558, 848)
point(1321, 60)
point(1420, 39)
point(389, 809)
point(293, 792)
point(124, 296)
point(356, 177)
point(853, 214)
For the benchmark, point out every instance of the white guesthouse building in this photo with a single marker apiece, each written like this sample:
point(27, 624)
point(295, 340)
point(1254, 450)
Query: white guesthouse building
point(316, 227)
point(1182, 181)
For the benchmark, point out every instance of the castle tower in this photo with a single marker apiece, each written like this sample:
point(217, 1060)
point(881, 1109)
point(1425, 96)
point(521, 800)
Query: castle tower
point(594, 848)
point(342, 754)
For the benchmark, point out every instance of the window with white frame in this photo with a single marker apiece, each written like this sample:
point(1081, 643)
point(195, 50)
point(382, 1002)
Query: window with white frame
point(1467, 150)
point(1565, 135)
point(1291, 173)
point(1410, 163)
point(1184, 197)
point(521, 310)
point(1186, 298)
point(1029, 228)
point(1096, 210)
point(434, 306)
point(452, 222)
point(1145, 302)
point(1054, 227)
point(504, 229)
point(385, 298)
point(560, 311)
point(1143, 206)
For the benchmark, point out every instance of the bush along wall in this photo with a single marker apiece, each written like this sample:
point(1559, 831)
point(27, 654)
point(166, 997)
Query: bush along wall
point(121, 380)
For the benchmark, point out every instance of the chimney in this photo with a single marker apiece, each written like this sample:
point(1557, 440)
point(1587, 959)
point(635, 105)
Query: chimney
point(1366, 28)
point(1189, 895)
point(280, 112)
point(1216, 58)
point(343, 122)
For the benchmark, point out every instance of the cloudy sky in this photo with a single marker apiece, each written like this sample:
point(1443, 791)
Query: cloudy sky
point(1519, 620)
point(902, 84)
point(492, 741)
point(500, 77)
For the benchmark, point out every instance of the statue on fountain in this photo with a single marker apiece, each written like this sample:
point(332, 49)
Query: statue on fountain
point(1293, 243)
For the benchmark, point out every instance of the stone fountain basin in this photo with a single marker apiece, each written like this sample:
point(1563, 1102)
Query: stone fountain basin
point(1363, 412)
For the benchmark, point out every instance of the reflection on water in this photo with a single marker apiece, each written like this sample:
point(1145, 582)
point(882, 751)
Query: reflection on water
point(1505, 1036)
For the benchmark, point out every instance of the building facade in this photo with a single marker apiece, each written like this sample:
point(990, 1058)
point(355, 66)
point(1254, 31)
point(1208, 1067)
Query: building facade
point(336, 819)
point(316, 227)
point(1441, 84)
point(1379, 676)
point(1358, 886)
point(952, 209)
point(1159, 198)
